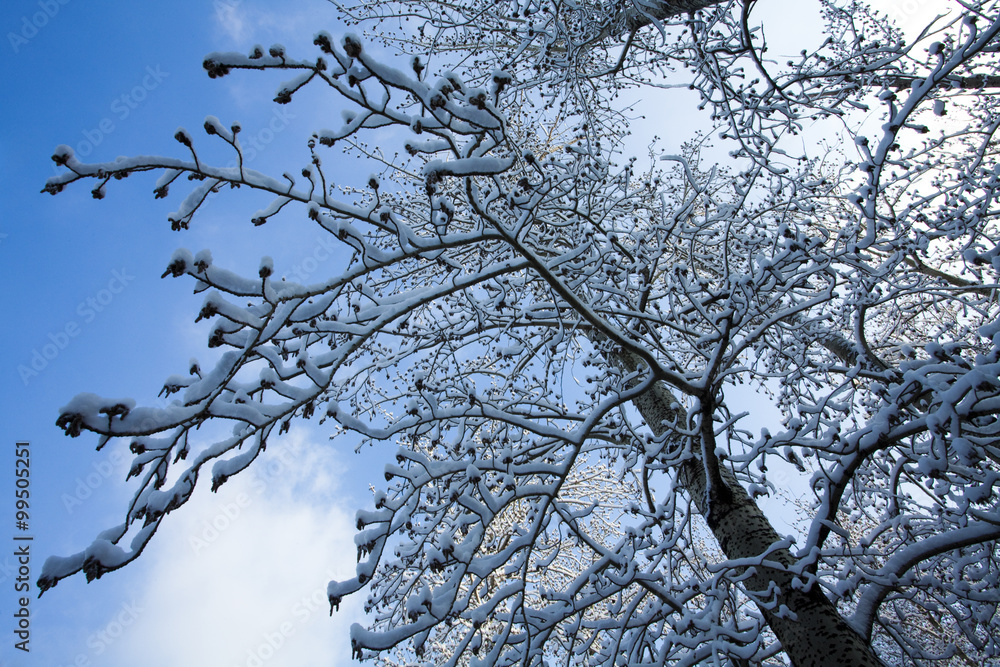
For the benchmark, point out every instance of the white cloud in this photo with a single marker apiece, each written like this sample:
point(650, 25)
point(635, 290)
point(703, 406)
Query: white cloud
point(245, 22)
point(232, 19)
point(241, 580)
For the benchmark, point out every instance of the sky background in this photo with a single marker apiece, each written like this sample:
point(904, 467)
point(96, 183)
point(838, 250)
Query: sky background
point(236, 575)
point(235, 578)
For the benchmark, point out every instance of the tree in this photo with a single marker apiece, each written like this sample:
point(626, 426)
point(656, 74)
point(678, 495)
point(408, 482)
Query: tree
point(549, 337)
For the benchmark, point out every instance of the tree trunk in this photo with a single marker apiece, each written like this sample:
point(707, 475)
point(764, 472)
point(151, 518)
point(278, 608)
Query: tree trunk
point(640, 15)
point(807, 624)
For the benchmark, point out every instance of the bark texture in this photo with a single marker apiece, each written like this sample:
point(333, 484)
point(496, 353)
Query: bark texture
point(809, 627)
point(643, 12)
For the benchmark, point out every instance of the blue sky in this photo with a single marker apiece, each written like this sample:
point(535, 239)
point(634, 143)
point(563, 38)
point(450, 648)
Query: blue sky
point(234, 578)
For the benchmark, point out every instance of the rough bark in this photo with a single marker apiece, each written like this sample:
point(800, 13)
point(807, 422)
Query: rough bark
point(642, 13)
point(809, 627)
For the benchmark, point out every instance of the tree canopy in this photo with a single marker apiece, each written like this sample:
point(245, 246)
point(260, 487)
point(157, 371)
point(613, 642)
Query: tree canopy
point(546, 324)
